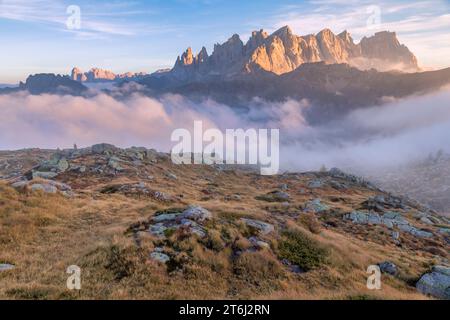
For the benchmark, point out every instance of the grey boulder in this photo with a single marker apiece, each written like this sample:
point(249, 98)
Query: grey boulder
point(436, 283)
point(388, 267)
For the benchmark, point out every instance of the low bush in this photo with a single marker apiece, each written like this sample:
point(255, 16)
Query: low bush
point(301, 250)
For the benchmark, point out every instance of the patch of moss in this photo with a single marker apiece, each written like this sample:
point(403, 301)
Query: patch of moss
point(169, 210)
point(301, 250)
point(169, 232)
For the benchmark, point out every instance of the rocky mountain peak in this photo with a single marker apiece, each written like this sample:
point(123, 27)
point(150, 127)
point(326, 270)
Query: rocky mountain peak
point(345, 36)
point(257, 39)
point(384, 45)
point(78, 75)
point(283, 31)
point(187, 58)
point(202, 56)
point(325, 33)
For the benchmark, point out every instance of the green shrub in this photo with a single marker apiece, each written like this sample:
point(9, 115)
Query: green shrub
point(169, 232)
point(301, 250)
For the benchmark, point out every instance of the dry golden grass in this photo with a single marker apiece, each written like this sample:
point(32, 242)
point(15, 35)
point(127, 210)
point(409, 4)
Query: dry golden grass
point(43, 234)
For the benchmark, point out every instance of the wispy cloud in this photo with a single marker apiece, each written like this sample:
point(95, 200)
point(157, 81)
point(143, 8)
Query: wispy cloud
point(99, 21)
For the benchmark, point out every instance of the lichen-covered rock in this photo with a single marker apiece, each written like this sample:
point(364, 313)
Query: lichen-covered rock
point(166, 217)
point(436, 283)
point(44, 187)
point(6, 267)
point(159, 256)
point(426, 220)
point(102, 148)
point(315, 184)
point(114, 163)
point(388, 267)
point(389, 219)
point(197, 213)
point(43, 175)
point(275, 196)
point(158, 229)
point(171, 176)
point(193, 227)
point(414, 231)
point(316, 206)
point(19, 184)
point(263, 227)
point(258, 243)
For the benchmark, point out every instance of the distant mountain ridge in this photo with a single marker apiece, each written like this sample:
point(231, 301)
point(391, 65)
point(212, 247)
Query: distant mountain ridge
point(332, 89)
point(282, 52)
point(48, 83)
point(101, 75)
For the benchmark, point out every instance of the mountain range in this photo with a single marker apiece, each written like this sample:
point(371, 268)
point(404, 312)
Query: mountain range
point(282, 52)
point(333, 72)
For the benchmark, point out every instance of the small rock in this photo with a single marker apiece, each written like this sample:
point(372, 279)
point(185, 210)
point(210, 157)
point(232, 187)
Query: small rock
point(338, 185)
point(43, 175)
point(6, 267)
point(315, 184)
point(171, 176)
point(263, 227)
point(259, 243)
point(194, 227)
point(19, 184)
point(426, 220)
point(395, 235)
point(62, 165)
point(157, 229)
point(296, 269)
point(197, 213)
point(159, 256)
point(388, 267)
point(161, 196)
point(47, 188)
point(316, 206)
point(275, 196)
point(233, 197)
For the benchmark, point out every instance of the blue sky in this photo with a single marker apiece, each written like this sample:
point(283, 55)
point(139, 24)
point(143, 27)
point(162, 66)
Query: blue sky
point(148, 35)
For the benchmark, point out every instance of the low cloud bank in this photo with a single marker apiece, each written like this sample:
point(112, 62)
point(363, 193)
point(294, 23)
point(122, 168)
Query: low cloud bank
point(392, 134)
